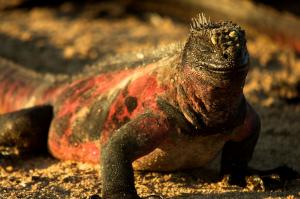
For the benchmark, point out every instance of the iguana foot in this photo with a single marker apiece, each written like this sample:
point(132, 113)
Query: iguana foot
point(25, 130)
point(278, 178)
point(237, 177)
point(272, 179)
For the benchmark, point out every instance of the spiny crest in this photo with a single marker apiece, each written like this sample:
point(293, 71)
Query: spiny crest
point(199, 22)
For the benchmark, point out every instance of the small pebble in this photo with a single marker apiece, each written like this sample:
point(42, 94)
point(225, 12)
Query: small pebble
point(9, 168)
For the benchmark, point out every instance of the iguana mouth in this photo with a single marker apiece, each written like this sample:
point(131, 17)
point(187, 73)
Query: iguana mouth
point(227, 70)
point(221, 69)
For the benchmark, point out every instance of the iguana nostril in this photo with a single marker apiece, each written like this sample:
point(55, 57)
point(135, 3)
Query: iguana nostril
point(225, 55)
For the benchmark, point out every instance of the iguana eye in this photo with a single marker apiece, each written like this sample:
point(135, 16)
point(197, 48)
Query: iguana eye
point(204, 48)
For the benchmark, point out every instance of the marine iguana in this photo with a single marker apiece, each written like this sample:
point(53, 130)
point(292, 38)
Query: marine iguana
point(173, 109)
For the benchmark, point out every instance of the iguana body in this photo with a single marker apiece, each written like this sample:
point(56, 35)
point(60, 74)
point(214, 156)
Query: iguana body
point(176, 110)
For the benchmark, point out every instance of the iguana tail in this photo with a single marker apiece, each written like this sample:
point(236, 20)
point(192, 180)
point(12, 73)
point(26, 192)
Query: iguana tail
point(19, 87)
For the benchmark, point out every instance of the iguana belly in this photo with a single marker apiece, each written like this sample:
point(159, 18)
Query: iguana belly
point(182, 152)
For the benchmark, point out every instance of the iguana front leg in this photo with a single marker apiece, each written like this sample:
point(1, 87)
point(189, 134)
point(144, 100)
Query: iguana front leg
point(133, 140)
point(237, 153)
point(25, 130)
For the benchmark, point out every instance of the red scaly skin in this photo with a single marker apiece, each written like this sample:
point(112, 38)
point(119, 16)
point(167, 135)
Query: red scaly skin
point(144, 89)
point(73, 99)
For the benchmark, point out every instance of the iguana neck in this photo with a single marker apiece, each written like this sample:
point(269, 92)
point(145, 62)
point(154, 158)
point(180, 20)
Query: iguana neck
point(209, 102)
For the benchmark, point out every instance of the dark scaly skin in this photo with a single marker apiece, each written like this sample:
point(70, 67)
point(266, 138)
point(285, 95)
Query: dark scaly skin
point(175, 109)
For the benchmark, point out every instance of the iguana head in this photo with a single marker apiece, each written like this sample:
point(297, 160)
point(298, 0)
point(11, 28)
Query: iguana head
point(216, 47)
point(212, 73)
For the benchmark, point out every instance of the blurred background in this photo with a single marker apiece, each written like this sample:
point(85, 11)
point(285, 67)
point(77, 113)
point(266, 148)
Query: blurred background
point(62, 37)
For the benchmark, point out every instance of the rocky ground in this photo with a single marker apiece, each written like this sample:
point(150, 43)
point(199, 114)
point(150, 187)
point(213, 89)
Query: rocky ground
point(65, 38)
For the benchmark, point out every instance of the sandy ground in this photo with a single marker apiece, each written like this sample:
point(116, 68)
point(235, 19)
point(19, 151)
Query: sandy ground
point(66, 38)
